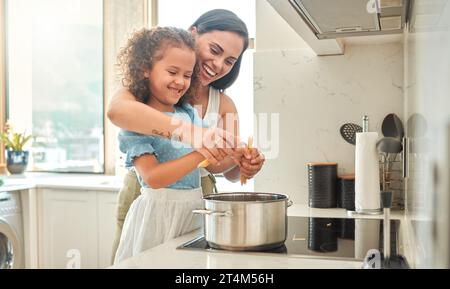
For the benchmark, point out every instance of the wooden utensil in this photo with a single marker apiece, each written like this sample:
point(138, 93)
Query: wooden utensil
point(250, 147)
point(203, 164)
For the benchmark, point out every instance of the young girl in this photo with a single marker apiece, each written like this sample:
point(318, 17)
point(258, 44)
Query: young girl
point(221, 38)
point(158, 65)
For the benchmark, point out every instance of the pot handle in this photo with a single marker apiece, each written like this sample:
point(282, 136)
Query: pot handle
point(216, 213)
point(289, 203)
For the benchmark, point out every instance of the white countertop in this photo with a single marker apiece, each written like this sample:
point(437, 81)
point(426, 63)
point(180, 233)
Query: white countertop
point(167, 256)
point(303, 210)
point(64, 181)
point(89, 182)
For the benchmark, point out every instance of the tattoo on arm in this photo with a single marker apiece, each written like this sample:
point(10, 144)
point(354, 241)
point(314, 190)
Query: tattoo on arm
point(167, 135)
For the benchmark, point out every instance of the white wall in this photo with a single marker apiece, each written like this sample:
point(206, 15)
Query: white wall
point(427, 92)
point(272, 31)
point(314, 96)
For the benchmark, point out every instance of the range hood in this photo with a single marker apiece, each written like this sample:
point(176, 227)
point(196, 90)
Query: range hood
point(330, 19)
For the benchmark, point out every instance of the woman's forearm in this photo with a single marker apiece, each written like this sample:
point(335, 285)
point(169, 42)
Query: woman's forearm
point(224, 166)
point(126, 112)
point(233, 175)
point(229, 169)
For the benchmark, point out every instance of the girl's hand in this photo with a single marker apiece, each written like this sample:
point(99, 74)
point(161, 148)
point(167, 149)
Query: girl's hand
point(216, 144)
point(237, 153)
point(251, 163)
point(213, 155)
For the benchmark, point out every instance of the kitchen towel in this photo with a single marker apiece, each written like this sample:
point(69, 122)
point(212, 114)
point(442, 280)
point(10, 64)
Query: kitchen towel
point(367, 174)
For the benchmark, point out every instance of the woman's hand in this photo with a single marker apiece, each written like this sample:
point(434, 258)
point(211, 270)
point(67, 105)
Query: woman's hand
point(251, 163)
point(216, 144)
point(217, 137)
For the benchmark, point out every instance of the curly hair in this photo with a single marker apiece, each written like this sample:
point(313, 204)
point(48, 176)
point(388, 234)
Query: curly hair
point(143, 49)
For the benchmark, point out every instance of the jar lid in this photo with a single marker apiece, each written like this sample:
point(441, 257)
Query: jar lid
point(322, 164)
point(347, 177)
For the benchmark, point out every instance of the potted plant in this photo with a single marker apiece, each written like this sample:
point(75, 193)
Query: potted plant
point(16, 157)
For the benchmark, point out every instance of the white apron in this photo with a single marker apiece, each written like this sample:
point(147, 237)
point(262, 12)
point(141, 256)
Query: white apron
point(157, 216)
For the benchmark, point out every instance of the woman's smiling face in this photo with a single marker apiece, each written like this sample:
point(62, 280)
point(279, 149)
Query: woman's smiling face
point(217, 52)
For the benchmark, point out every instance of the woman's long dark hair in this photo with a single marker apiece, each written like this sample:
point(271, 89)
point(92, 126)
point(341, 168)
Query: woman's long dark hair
point(223, 20)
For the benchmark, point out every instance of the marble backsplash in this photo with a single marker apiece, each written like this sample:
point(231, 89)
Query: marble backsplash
point(313, 96)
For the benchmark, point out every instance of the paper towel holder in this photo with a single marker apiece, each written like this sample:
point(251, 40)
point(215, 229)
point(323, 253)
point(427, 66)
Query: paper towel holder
point(368, 211)
point(365, 123)
point(378, 211)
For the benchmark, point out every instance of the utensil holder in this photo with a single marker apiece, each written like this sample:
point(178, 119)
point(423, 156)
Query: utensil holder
point(322, 179)
point(393, 180)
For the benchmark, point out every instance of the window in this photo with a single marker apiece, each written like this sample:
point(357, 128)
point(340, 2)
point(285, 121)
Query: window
point(54, 68)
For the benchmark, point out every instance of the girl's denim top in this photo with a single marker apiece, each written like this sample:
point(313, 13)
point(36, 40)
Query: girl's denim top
point(134, 145)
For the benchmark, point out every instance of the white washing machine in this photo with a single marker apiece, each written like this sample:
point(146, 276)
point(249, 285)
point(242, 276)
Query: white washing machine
point(12, 255)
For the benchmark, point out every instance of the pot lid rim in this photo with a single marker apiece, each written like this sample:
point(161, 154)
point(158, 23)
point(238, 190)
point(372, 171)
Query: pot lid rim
point(211, 196)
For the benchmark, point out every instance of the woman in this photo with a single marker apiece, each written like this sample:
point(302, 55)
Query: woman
point(221, 39)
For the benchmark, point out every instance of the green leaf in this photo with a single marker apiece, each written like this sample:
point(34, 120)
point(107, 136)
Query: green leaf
point(25, 140)
point(6, 141)
point(16, 142)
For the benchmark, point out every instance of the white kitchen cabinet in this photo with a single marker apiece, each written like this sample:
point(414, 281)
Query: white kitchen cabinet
point(76, 228)
point(106, 208)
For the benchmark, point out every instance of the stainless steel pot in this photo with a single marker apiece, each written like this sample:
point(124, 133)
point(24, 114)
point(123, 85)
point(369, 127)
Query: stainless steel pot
point(245, 221)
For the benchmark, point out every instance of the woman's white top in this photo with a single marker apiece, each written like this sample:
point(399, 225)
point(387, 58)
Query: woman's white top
point(211, 118)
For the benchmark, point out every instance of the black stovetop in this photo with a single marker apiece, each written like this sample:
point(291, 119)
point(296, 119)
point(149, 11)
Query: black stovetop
point(325, 237)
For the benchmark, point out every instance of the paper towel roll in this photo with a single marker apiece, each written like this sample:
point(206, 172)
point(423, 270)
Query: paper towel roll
point(367, 174)
point(367, 236)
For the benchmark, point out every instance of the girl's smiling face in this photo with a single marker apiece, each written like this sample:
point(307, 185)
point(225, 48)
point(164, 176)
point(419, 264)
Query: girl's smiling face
point(217, 52)
point(170, 77)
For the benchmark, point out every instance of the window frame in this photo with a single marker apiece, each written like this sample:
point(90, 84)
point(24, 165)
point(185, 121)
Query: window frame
point(3, 90)
point(2, 80)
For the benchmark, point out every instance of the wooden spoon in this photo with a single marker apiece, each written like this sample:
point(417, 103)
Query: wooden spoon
point(250, 147)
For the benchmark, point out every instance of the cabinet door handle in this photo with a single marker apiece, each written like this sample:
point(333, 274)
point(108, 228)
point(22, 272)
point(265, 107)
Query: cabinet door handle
point(4, 196)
